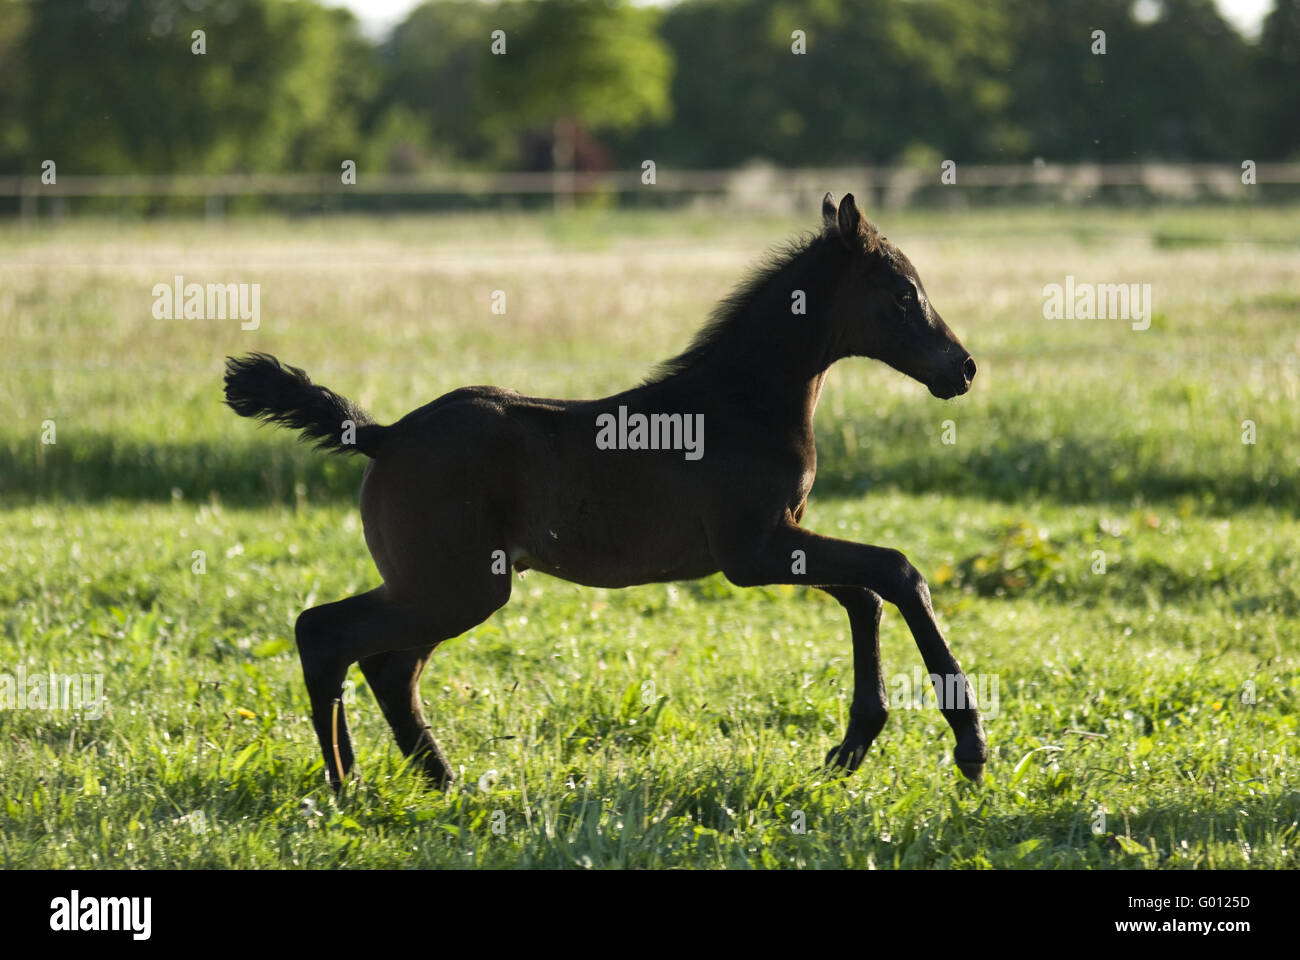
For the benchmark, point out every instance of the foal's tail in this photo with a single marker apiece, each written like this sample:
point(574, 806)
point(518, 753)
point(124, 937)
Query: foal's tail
point(258, 385)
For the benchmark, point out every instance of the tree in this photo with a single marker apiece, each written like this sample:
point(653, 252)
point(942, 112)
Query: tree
point(433, 62)
point(119, 88)
point(14, 24)
point(833, 81)
point(1278, 73)
point(598, 64)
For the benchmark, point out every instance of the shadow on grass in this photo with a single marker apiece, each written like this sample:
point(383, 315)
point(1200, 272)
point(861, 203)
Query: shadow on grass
point(1138, 838)
point(103, 467)
point(1076, 471)
point(1056, 833)
point(256, 474)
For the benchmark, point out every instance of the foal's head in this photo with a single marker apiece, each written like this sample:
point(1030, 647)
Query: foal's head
point(881, 309)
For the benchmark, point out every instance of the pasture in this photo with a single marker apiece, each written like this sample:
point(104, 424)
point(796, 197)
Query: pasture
point(1106, 555)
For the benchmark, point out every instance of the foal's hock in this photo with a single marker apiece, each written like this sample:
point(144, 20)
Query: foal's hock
point(705, 467)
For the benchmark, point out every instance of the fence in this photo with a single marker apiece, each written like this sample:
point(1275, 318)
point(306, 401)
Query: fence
point(756, 186)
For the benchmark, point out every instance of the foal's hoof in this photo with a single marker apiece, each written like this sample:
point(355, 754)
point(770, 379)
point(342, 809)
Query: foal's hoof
point(441, 783)
point(353, 779)
point(437, 775)
point(971, 752)
point(846, 757)
point(970, 760)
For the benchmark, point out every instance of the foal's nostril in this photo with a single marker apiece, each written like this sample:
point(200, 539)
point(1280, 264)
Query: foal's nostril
point(968, 369)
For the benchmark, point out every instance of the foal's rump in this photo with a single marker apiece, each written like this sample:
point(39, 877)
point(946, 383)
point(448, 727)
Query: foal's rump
point(431, 502)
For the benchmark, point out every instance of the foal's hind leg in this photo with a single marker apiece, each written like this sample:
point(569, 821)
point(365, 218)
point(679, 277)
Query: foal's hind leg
point(395, 679)
point(328, 637)
point(870, 709)
point(334, 636)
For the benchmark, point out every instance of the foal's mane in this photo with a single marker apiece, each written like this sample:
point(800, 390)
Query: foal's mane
point(732, 310)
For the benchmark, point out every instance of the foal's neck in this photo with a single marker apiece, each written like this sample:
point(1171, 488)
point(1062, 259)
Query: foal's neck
point(767, 350)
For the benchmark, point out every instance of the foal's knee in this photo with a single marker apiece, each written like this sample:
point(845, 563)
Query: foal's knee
point(859, 602)
point(874, 605)
point(311, 632)
point(910, 586)
point(307, 628)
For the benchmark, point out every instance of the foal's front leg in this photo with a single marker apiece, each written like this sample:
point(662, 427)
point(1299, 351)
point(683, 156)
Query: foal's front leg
point(870, 709)
point(753, 560)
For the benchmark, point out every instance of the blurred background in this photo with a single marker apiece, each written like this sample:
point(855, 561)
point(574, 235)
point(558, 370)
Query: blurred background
point(427, 98)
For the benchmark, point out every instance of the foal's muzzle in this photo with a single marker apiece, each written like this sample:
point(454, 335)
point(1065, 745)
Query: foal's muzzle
point(957, 383)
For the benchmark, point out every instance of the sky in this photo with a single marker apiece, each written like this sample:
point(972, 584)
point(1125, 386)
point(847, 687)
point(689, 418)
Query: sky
point(379, 16)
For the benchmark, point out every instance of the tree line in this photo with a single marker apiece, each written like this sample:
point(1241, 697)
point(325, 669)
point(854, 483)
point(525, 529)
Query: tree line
point(214, 86)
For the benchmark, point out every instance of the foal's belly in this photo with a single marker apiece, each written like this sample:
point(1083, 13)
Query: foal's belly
point(617, 573)
point(616, 551)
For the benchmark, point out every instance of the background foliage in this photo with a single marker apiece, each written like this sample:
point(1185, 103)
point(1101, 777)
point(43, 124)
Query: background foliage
point(291, 86)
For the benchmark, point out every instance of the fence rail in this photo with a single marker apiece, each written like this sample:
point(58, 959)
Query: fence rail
point(893, 185)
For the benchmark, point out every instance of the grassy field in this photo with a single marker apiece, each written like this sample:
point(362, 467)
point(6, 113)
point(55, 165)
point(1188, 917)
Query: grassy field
point(1106, 555)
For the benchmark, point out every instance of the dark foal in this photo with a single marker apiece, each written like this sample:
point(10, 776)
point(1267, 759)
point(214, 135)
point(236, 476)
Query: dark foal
point(483, 479)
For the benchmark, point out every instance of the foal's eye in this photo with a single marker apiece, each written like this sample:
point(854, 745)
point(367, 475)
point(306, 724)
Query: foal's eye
point(905, 292)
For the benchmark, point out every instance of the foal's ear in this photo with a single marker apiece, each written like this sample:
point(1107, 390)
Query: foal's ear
point(828, 211)
point(850, 219)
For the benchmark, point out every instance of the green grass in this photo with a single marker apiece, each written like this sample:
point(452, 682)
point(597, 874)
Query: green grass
point(667, 725)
